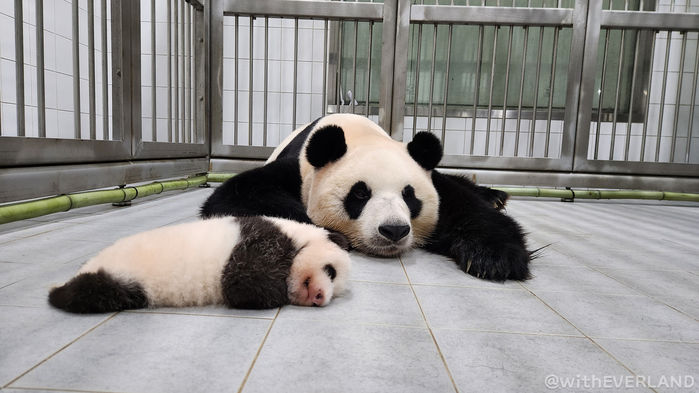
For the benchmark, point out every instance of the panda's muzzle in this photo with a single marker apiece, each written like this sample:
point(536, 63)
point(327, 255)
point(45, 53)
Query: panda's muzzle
point(394, 232)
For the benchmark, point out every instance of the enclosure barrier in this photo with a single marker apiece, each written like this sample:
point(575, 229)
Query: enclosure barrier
point(62, 203)
point(570, 90)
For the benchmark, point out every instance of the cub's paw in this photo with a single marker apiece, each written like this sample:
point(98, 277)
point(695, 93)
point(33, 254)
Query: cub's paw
point(495, 198)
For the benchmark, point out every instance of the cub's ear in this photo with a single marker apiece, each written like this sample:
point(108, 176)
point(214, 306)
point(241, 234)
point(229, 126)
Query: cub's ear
point(339, 239)
point(325, 146)
point(425, 149)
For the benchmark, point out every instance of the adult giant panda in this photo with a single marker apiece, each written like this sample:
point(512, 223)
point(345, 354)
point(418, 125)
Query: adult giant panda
point(343, 172)
point(244, 262)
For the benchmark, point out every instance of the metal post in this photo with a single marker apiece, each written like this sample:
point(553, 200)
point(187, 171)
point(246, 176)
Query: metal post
point(91, 67)
point(76, 71)
point(417, 77)
point(600, 106)
point(41, 94)
point(616, 95)
point(105, 73)
point(153, 96)
point(446, 87)
point(662, 96)
point(552, 85)
point(477, 87)
point(521, 90)
point(679, 96)
point(507, 84)
point(169, 70)
point(631, 99)
point(490, 90)
point(429, 101)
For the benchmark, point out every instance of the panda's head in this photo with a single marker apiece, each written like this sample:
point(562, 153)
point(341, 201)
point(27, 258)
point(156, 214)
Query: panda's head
point(375, 190)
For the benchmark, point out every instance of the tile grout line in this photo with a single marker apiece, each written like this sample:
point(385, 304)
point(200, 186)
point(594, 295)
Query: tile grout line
point(429, 328)
point(60, 349)
point(146, 311)
point(653, 297)
point(257, 354)
point(586, 336)
point(64, 390)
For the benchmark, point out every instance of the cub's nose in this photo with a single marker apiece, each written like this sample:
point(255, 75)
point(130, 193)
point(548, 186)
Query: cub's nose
point(394, 232)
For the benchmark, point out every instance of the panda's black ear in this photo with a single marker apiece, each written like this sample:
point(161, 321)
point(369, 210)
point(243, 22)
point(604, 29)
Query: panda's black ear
point(426, 149)
point(325, 146)
point(341, 240)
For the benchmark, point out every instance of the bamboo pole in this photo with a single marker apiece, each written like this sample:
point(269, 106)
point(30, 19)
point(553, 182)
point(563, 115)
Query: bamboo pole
point(41, 207)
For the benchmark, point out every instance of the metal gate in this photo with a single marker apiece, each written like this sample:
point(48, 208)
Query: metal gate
point(530, 92)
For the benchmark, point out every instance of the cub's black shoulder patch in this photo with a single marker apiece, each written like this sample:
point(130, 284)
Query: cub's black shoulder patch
point(255, 274)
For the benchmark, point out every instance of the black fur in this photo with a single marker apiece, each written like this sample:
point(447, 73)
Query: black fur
point(495, 198)
point(330, 271)
point(97, 293)
point(255, 275)
point(293, 149)
point(341, 240)
point(483, 242)
point(426, 150)
point(356, 199)
point(414, 204)
point(325, 146)
point(272, 190)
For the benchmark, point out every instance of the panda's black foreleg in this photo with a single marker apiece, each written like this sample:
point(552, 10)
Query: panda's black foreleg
point(483, 242)
point(495, 198)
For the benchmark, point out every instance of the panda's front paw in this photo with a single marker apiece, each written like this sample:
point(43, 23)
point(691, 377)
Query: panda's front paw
point(495, 198)
point(500, 263)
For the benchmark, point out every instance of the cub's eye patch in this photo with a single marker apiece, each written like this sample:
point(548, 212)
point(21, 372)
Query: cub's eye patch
point(330, 271)
point(356, 199)
point(414, 204)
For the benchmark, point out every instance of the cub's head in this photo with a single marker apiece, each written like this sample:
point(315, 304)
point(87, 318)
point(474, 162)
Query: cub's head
point(320, 269)
point(376, 191)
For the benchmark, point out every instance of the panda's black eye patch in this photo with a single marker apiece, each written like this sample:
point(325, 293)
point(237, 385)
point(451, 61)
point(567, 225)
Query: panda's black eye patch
point(330, 271)
point(414, 204)
point(356, 199)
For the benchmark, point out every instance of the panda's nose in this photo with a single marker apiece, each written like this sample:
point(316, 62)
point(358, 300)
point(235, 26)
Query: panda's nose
point(394, 232)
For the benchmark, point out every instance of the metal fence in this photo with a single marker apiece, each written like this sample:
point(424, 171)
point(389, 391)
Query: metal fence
point(548, 87)
point(599, 93)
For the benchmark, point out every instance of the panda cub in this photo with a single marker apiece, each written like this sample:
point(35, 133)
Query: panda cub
point(242, 262)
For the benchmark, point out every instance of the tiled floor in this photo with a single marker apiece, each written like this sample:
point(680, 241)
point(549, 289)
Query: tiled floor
point(613, 306)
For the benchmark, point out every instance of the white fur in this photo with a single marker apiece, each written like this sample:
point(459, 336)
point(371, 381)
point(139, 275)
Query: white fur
point(178, 265)
point(386, 167)
point(316, 251)
point(181, 265)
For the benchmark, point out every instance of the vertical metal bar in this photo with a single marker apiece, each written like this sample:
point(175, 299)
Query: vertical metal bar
point(177, 74)
point(76, 71)
point(600, 105)
point(105, 72)
point(19, 66)
point(40, 85)
point(250, 82)
point(188, 75)
point(616, 95)
point(490, 89)
point(235, 84)
point(354, 69)
point(417, 77)
point(169, 69)
point(691, 106)
point(91, 66)
point(368, 68)
point(264, 109)
point(532, 129)
point(552, 85)
point(153, 95)
point(182, 119)
point(429, 106)
point(446, 87)
point(521, 89)
point(340, 94)
point(631, 97)
point(662, 96)
point(679, 96)
point(477, 87)
point(507, 85)
point(647, 99)
point(296, 60)
point(325, 67)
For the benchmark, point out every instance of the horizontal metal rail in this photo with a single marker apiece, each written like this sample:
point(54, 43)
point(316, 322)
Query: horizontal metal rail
point(649, 20)
point(491, 15)
point(305, 9)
